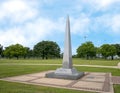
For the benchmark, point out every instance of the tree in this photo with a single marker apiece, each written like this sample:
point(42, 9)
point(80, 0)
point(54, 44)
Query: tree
point(98, 52)
point(1, 50)
point(15, 51)
point(117, 46)
point(87, 50)
point(47, 49)
point(108, 50)
point(29, 53)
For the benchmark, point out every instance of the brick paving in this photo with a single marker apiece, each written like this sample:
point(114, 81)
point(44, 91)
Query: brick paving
point(106, 86)
point(116, 79)
point(96, 82)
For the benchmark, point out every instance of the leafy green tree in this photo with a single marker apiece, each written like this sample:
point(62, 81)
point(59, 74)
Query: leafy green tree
point(87, 50)
point(47, 49)
point(15, 51)
point(98, 52)
point(117, 46)
point(29, 53)
point(108, 50)
point(1, 50)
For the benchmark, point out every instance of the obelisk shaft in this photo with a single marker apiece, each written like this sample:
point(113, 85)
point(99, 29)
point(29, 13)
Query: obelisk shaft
point(67, 71)
point(67, 56)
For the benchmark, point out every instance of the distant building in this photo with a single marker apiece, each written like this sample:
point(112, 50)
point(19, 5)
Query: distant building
point(99, 56)
point(114, 57)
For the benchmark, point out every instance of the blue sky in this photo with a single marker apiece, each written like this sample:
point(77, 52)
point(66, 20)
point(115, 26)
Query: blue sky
point(28, 22)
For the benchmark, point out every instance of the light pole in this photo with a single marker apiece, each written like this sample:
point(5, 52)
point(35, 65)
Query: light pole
point(85, 37)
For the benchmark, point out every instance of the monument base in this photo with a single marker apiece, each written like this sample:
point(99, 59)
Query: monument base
point(63, 73)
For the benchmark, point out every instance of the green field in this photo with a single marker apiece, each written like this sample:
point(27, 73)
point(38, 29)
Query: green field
point(13, 70)
point(59, 61)
point(9, 69)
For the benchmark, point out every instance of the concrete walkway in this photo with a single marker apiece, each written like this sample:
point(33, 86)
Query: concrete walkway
point(59, 65)
point(97, 66)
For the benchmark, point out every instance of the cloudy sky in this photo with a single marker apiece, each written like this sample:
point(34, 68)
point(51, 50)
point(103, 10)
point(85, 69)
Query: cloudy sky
point(28, 22)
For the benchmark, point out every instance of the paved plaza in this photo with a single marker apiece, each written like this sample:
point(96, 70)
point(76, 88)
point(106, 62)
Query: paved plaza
point(96, 82)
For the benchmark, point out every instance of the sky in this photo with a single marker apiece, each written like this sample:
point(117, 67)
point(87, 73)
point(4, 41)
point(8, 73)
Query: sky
point(28, 22)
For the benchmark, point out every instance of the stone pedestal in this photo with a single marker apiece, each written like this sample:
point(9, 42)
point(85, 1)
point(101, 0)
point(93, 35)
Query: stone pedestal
point(63, 73)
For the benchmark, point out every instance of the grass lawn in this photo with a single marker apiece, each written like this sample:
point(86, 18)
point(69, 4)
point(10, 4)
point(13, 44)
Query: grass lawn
point(13, 70)
point(117, 88)
point(59, 61)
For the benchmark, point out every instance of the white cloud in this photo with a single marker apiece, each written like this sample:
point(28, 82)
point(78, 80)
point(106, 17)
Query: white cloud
point(14, 6)
point(104, 3)
point(39, 28)
point(80, 25)
point(97, 7)
point(17, 10)
point(12, 36)
point(106, 23)
point(30, 33)
point(115, 24)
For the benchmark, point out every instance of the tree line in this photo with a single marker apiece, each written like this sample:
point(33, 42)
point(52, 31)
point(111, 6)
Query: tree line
point(43, 49)
point(50, 49)
point(88, 50)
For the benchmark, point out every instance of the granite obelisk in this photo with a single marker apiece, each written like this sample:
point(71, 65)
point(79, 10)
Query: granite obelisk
point(67, 56)
point(66, 71)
